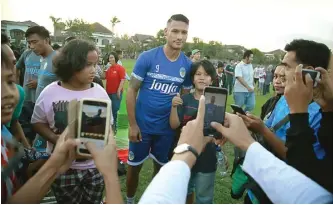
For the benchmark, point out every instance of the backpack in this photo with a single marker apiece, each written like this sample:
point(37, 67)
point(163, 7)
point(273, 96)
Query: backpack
point(241, 181)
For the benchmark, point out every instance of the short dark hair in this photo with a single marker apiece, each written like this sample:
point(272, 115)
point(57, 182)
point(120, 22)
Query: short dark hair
point(220, 64)
point(68, 39)
point(188, 54)
point(39, 30)
point(56, 46)
point(310, 53)
point(207, 66)
point(4, 38)
point(179, 17)
point(247, 54)
point(72, 58)
point(115, 56)
point(119, 52)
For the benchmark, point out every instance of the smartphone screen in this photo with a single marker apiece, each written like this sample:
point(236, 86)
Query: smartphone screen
point(216, 99)
point(93, 124)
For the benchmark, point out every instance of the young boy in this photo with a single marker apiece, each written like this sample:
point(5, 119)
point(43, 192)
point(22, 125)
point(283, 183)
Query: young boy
point(183, 110)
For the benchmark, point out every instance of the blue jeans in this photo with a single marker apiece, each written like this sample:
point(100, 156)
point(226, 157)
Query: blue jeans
point(203, 186)
point(245, 99)
point(115, 103)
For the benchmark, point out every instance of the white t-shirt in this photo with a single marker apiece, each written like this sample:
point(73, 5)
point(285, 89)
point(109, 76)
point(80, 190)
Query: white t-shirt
point(262, 76)
point(246, 72)
point(256, 72)
point(51, 108)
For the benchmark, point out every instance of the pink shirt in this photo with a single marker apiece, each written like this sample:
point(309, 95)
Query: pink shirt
point(51, 108)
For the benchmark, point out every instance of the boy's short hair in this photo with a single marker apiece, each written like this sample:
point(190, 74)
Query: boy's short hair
point(207, 66)
point(220, 64)
point(72, 58)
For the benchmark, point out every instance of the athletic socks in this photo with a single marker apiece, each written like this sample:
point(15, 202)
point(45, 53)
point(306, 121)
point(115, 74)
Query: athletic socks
point(130, 200)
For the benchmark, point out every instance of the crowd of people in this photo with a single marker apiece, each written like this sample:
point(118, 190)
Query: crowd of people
point(282, 156)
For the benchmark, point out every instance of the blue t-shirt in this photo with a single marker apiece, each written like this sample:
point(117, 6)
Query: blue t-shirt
point(161, 81)
point(31, 62)
point(282, 109)
point(46, 75)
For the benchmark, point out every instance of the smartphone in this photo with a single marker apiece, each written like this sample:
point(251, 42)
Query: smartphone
point(315, 75)
point(93, 123)
point(216, 100)
point(238, 109)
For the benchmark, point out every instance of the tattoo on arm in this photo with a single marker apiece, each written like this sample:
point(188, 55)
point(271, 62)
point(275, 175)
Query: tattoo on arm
point(135, 83)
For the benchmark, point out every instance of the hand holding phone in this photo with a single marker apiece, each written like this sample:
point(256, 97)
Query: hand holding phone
point(315, 75)
point(215, 99)
point(238, 109)
point(93, 123)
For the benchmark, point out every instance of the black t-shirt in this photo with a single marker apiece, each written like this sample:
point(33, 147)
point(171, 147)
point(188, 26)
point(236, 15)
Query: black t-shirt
point(206, 162)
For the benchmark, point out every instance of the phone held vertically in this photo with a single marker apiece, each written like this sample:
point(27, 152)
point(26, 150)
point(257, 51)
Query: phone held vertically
point(216, 100)
point(315, 75)
point(94, 117)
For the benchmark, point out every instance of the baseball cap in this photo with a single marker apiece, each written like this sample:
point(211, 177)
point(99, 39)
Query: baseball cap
point(195, 51)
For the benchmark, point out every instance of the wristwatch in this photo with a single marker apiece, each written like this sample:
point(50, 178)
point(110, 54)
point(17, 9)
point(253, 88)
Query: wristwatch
point(184, 148)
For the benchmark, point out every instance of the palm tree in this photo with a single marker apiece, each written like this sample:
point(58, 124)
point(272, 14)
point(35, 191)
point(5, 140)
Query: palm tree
point(114, 21)
point(58, 25)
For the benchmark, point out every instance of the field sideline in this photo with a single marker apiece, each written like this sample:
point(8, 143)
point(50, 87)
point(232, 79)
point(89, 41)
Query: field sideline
point(222, 185)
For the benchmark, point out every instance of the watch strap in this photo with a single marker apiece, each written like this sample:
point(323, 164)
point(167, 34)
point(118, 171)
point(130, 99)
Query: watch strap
point(191, 149)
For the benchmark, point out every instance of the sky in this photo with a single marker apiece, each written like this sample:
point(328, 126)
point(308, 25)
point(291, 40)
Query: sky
point(263, 24)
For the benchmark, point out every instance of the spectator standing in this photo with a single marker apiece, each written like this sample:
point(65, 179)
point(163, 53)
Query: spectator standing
point(268, 79)
point(115, 79)
point(244, 87)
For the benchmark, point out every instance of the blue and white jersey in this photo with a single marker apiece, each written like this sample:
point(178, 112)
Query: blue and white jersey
point(161, 81)
point(282, 109)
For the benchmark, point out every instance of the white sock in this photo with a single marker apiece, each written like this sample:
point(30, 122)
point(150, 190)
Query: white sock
point(130, 200)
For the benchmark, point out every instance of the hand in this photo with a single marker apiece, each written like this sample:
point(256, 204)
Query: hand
point(106, 159)
point(236, 133)
point(192, 133)
point(177, 100)
point(323, 94)
point(64, 152)
point(253, 123)
point(134, 134)
point(298, 94)
point(250, 89)
point(119, 94)
point(32, 84)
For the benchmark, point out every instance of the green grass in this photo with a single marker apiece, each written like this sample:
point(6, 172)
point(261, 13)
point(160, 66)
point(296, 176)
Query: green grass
point(222, 185)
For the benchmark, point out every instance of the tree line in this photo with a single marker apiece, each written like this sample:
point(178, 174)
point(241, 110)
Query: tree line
point(214, 49)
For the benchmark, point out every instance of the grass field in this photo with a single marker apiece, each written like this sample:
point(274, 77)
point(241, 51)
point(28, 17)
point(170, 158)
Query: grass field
point(222, 185)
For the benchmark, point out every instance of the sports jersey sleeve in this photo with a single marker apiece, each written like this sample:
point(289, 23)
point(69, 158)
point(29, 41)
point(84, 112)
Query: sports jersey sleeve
point(187, 82)
point(141, 67)
point(238, 71)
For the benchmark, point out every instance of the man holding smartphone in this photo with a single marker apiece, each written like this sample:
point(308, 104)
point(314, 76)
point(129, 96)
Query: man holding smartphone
point(159, 74)
point(244, 87)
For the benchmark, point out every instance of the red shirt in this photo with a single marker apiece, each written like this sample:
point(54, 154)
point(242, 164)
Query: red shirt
point(114, 75)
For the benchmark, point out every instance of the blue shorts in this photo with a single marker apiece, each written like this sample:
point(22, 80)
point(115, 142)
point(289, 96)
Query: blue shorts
point(154, 146)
